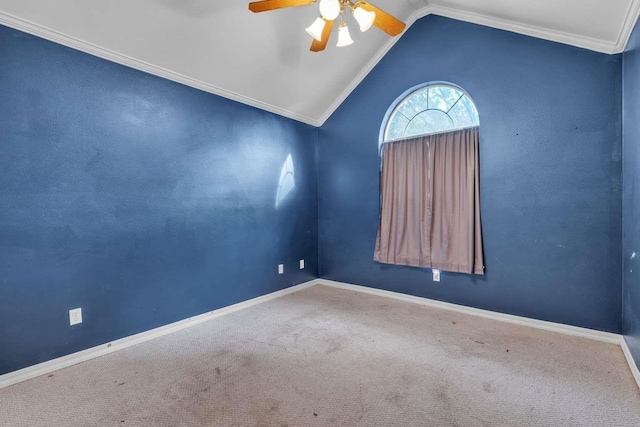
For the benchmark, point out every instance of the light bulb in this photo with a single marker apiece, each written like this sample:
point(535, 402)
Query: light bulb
point(315, 29)
point(344, 38)
point(329, 9)
point(364, 18)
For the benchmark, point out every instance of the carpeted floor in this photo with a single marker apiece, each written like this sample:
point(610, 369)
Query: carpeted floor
point(325, 356)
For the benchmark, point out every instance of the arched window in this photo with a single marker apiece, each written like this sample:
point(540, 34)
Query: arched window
point(431, 109)
point(429, 182)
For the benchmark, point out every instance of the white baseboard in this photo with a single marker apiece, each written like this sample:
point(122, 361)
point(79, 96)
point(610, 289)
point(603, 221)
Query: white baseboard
point(82, 356)
point(524, 321)
point(632, 363)
point(607, 337)
point(100, 350)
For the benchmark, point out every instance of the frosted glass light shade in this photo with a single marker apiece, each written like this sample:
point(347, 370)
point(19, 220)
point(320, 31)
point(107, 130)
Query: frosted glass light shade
point(365, 18)
point(315, 29)
point(344, 38)
point(329, 9)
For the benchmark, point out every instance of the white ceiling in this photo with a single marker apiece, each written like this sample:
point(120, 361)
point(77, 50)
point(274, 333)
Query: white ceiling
point(264, 60)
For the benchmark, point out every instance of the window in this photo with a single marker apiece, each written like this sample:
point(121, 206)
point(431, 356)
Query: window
point(429, 182)
point(431, 109)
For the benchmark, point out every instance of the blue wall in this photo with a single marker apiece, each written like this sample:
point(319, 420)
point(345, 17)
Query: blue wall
point(141, 200)
point(551, 176)
point(631, 194)
point(145, 202)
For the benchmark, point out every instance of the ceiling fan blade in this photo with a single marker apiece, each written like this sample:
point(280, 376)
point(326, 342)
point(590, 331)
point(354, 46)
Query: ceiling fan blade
point(317, 46)
point(265, 5)
point(384, 21)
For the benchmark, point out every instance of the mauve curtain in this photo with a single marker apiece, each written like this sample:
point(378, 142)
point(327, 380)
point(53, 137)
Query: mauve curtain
point(430, 203)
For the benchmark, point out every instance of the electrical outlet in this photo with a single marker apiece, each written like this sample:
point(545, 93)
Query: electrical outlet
point(75, 316)
point(301, 264)
point(280, 268)
point(436, 275)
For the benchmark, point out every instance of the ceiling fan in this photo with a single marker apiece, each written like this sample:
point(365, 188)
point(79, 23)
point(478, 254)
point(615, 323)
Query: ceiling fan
point(365, 14)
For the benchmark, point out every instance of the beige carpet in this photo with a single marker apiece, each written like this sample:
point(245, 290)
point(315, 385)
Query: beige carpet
point(323, 357)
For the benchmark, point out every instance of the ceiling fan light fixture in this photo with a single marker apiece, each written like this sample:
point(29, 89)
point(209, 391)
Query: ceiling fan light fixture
point(315, 29)
point(365, 18)
point(330, 9)
point(344, 38)
point(332, 13)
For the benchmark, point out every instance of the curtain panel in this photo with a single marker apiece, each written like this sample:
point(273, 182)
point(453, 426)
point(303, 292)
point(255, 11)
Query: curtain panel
point(430, 203)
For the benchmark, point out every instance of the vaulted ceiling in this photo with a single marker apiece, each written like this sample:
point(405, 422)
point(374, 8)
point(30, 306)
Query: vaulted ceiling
point(264, 60)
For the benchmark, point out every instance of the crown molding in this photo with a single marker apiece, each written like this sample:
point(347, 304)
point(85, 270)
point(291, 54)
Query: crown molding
point(627, 28)
point(92, 49)
point(584, 42)
point(552, 35)
point(502, 24)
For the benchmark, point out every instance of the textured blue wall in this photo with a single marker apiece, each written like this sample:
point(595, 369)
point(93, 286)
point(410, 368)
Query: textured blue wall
point(631, 194)
point(551, 176)
point(145, 202)
point(141, 200)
